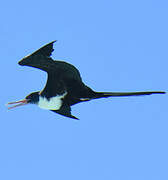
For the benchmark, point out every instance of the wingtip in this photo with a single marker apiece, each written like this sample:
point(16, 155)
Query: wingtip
point(54, 41)
point(75, 118)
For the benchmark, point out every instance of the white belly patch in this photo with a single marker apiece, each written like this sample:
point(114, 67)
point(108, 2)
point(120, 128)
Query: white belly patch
point(54, 103)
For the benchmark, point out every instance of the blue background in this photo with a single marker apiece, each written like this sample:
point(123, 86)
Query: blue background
point(117, 46)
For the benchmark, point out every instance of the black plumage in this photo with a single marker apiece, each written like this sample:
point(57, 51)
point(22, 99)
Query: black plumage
point(64, 78)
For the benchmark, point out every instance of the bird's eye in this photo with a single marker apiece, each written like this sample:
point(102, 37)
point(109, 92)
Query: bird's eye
point(28, 100)
point(28, 97)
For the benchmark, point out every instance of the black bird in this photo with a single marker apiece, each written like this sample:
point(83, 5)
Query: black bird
point(64, 86)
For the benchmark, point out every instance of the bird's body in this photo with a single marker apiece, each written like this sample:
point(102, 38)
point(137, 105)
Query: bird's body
point(64, 86)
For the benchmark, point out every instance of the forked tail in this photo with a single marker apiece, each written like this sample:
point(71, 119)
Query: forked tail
point(117, 94)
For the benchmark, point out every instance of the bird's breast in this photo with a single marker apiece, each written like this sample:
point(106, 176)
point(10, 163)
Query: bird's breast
point(53, 103)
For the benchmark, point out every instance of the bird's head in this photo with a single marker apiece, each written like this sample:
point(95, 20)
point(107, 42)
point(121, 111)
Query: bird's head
point(32, 98)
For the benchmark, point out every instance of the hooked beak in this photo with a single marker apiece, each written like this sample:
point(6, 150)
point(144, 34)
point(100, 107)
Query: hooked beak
point(18, 103)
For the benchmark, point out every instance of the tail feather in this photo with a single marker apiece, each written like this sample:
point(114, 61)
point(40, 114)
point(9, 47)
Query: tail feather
point(118, 94)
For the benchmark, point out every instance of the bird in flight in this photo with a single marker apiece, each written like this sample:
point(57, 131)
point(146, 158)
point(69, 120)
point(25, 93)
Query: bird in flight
point(64, 86)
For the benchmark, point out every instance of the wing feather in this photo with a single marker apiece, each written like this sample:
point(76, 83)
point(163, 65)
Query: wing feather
point(60, 73)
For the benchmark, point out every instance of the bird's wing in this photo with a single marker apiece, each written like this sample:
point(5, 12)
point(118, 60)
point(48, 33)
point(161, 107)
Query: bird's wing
point(40, 58)
point(65, 111)
point(59, 73)
point(46, 50)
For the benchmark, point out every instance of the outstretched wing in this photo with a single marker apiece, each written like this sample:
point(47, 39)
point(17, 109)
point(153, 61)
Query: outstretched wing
point(46, 50)
point(65, 111)
point(40, 58)
point(60, 74)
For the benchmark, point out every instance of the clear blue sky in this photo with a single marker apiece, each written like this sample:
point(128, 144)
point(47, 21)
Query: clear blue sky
point(117, 46)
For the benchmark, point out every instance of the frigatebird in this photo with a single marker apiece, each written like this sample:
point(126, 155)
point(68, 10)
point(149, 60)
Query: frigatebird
point(64, 86)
